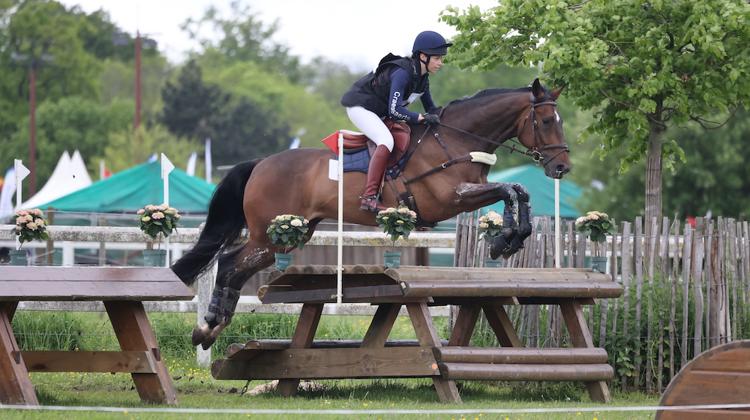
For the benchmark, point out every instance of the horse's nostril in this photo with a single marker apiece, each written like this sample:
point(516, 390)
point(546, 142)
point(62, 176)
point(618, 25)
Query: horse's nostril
point(563, 169)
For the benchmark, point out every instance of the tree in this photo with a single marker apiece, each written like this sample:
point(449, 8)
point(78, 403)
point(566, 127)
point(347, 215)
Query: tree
point(642, 66)
point(192, 106)
point(128, 147)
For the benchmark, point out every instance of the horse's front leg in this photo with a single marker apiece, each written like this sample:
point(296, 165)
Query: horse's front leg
point(508, 248)
point(473, 196)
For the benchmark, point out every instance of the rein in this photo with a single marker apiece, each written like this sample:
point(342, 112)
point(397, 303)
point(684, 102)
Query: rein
point(534, 153)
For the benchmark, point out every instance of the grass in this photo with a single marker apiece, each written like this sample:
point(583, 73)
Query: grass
point(197, 389)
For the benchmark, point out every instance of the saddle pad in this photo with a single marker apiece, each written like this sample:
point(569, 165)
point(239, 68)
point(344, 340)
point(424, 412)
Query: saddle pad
point(357, 161)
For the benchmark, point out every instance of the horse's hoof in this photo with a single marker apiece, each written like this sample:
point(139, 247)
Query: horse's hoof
point(208, 342)
point(199, 334)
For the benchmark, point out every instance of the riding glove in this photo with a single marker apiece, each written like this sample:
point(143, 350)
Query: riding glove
point(431, 119)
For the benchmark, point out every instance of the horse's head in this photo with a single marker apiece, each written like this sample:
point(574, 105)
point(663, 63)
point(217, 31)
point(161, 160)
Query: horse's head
point(540, 131)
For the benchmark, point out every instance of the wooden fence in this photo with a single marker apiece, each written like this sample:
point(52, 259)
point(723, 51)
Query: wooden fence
point(686, 290)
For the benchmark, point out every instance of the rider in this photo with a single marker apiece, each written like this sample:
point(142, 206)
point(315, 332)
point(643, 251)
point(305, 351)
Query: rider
point(385, 93)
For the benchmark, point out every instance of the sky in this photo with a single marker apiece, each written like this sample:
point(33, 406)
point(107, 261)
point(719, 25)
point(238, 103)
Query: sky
point(355, 32)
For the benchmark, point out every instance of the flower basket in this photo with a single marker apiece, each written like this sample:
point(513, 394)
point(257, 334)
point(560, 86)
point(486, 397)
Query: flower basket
point(287, 231)
point(18, 257)
point(490, 226)
point(158, 221)
point(596, 225)
point(396, 222)
point(154, 257)
point(30, 226)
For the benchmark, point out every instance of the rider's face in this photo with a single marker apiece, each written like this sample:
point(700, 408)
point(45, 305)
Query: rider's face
point(435, 63)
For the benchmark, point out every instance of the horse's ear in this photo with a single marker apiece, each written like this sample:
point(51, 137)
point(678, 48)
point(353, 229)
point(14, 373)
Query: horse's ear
point(556, 93)
point(537, 90)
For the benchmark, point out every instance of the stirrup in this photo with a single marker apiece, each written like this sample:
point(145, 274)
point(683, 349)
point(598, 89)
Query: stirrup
point(370, 203)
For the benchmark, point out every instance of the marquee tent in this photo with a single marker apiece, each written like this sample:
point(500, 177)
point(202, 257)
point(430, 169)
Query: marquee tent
point(129, 190)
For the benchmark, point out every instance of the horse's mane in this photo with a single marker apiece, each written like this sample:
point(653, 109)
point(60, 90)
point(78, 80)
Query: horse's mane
point(487, 93)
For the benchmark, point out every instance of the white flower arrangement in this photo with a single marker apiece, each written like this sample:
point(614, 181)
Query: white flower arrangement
point(30, 226)
point(596, 225)
point(156, 221)
point(490, 225)
point(288, 231)
point(397, 222)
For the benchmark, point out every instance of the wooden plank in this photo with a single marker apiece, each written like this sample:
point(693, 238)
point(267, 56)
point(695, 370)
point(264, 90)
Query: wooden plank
point(304, 333)
point(133, 331)
point(459, 274)
point(331, 363)
point(464, 325)
point(627, 265)
point(637, 324)
point(427, 336)
point(86, 274)
point(66, 290)
point(673, 278)
point(501, 325)
point(581, 337)
point(497, 289)
point(702, 414)
point(698, 254)
point(687, 260)
point(381, 325)
point(519, 372)
point(512, 355)
point(90, 361)
point(328, 295)
point(15, 384)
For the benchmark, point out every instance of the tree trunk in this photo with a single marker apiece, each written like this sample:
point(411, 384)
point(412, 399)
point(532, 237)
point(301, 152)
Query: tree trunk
point(653, 174)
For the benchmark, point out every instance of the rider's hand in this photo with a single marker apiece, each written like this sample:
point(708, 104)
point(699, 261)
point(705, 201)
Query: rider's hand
point(431, 119)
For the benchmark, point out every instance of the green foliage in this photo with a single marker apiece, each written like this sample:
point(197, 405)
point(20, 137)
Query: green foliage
point(396, 222)
point(490, 225)
point(640, 66)
point(31, 226)
point(72, 123)
point(127, 147)
point(596, 225)
point(36, 331)
point(158, 221)
point(288, 231)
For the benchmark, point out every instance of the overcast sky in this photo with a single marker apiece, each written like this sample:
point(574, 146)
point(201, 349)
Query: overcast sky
point(356, 32)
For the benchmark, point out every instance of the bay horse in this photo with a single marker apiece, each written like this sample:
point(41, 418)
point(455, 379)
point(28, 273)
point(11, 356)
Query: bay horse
point(440, 176)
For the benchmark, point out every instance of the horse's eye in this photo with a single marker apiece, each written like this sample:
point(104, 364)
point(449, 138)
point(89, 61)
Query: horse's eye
point(548, 120)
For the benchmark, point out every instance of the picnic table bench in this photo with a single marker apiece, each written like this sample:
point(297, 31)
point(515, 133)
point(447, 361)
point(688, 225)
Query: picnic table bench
point(475, 290)
point(122, 290)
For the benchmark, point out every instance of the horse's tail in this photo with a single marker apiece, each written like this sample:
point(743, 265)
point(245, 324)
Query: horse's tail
point(224, 223)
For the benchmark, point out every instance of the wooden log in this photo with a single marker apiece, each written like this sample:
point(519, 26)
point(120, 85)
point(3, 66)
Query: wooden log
point(15, 384)
point(464, 274)
point(531, 372)
point(304, 333)
point(331, 363)
point(554, 356)
point(90, 361)
point(489, 289)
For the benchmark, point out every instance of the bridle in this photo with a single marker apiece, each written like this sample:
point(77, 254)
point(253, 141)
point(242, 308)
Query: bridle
point(534, 152)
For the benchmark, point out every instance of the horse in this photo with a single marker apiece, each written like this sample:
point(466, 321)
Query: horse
point(441, 177)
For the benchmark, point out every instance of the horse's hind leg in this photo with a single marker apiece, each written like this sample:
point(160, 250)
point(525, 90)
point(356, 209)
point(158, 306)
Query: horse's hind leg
point(235, 267)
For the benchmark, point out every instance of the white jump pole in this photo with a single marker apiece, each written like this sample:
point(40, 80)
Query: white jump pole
point(166, 168)
point(21, 172)
point(557, 224)
point(340, 239)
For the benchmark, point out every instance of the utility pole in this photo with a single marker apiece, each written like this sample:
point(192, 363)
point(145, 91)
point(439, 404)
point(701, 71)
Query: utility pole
point(32, 127)
point(137, 119)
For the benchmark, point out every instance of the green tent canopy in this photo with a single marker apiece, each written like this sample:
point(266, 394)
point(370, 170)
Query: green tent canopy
point(129, 190)
point(541, 189)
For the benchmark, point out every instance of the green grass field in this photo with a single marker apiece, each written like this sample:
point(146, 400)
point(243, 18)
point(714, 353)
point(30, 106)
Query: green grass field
point(197, 389)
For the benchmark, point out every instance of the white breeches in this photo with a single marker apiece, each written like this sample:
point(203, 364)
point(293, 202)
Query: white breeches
point(371, 125)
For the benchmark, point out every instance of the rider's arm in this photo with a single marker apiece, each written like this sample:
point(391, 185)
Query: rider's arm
point(396, 109)
point(427, 103)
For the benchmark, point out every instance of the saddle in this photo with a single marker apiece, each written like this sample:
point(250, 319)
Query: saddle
point(355, 142)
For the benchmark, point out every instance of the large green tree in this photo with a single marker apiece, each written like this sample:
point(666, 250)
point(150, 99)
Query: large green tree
point(642, 66)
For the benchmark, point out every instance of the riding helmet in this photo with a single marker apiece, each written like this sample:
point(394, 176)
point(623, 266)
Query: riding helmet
point(430, 43)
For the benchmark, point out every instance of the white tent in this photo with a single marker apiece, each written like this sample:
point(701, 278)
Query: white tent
point(70, 175)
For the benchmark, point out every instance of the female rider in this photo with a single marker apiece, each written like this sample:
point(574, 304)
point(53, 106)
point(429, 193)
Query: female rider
point(385, 93)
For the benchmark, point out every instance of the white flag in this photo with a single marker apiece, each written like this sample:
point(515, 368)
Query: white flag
point(166, 166)
point(21, 171)
point(208, 160)
point(190, 168)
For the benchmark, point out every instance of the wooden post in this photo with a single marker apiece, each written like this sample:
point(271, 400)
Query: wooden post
point(580, 336)
point(502, 325)
point(381, 325)
point(134, 332)
point(464, 326)
point(427, 336)
point(15, 384)
point(304, 333)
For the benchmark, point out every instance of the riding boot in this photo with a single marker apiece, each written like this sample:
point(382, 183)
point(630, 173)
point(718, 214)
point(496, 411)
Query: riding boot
point(378, 163)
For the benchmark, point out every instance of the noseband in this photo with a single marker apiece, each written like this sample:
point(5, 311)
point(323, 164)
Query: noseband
point(536, 152)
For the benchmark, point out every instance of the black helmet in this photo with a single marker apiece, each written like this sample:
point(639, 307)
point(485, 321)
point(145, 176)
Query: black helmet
point(430, 43)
